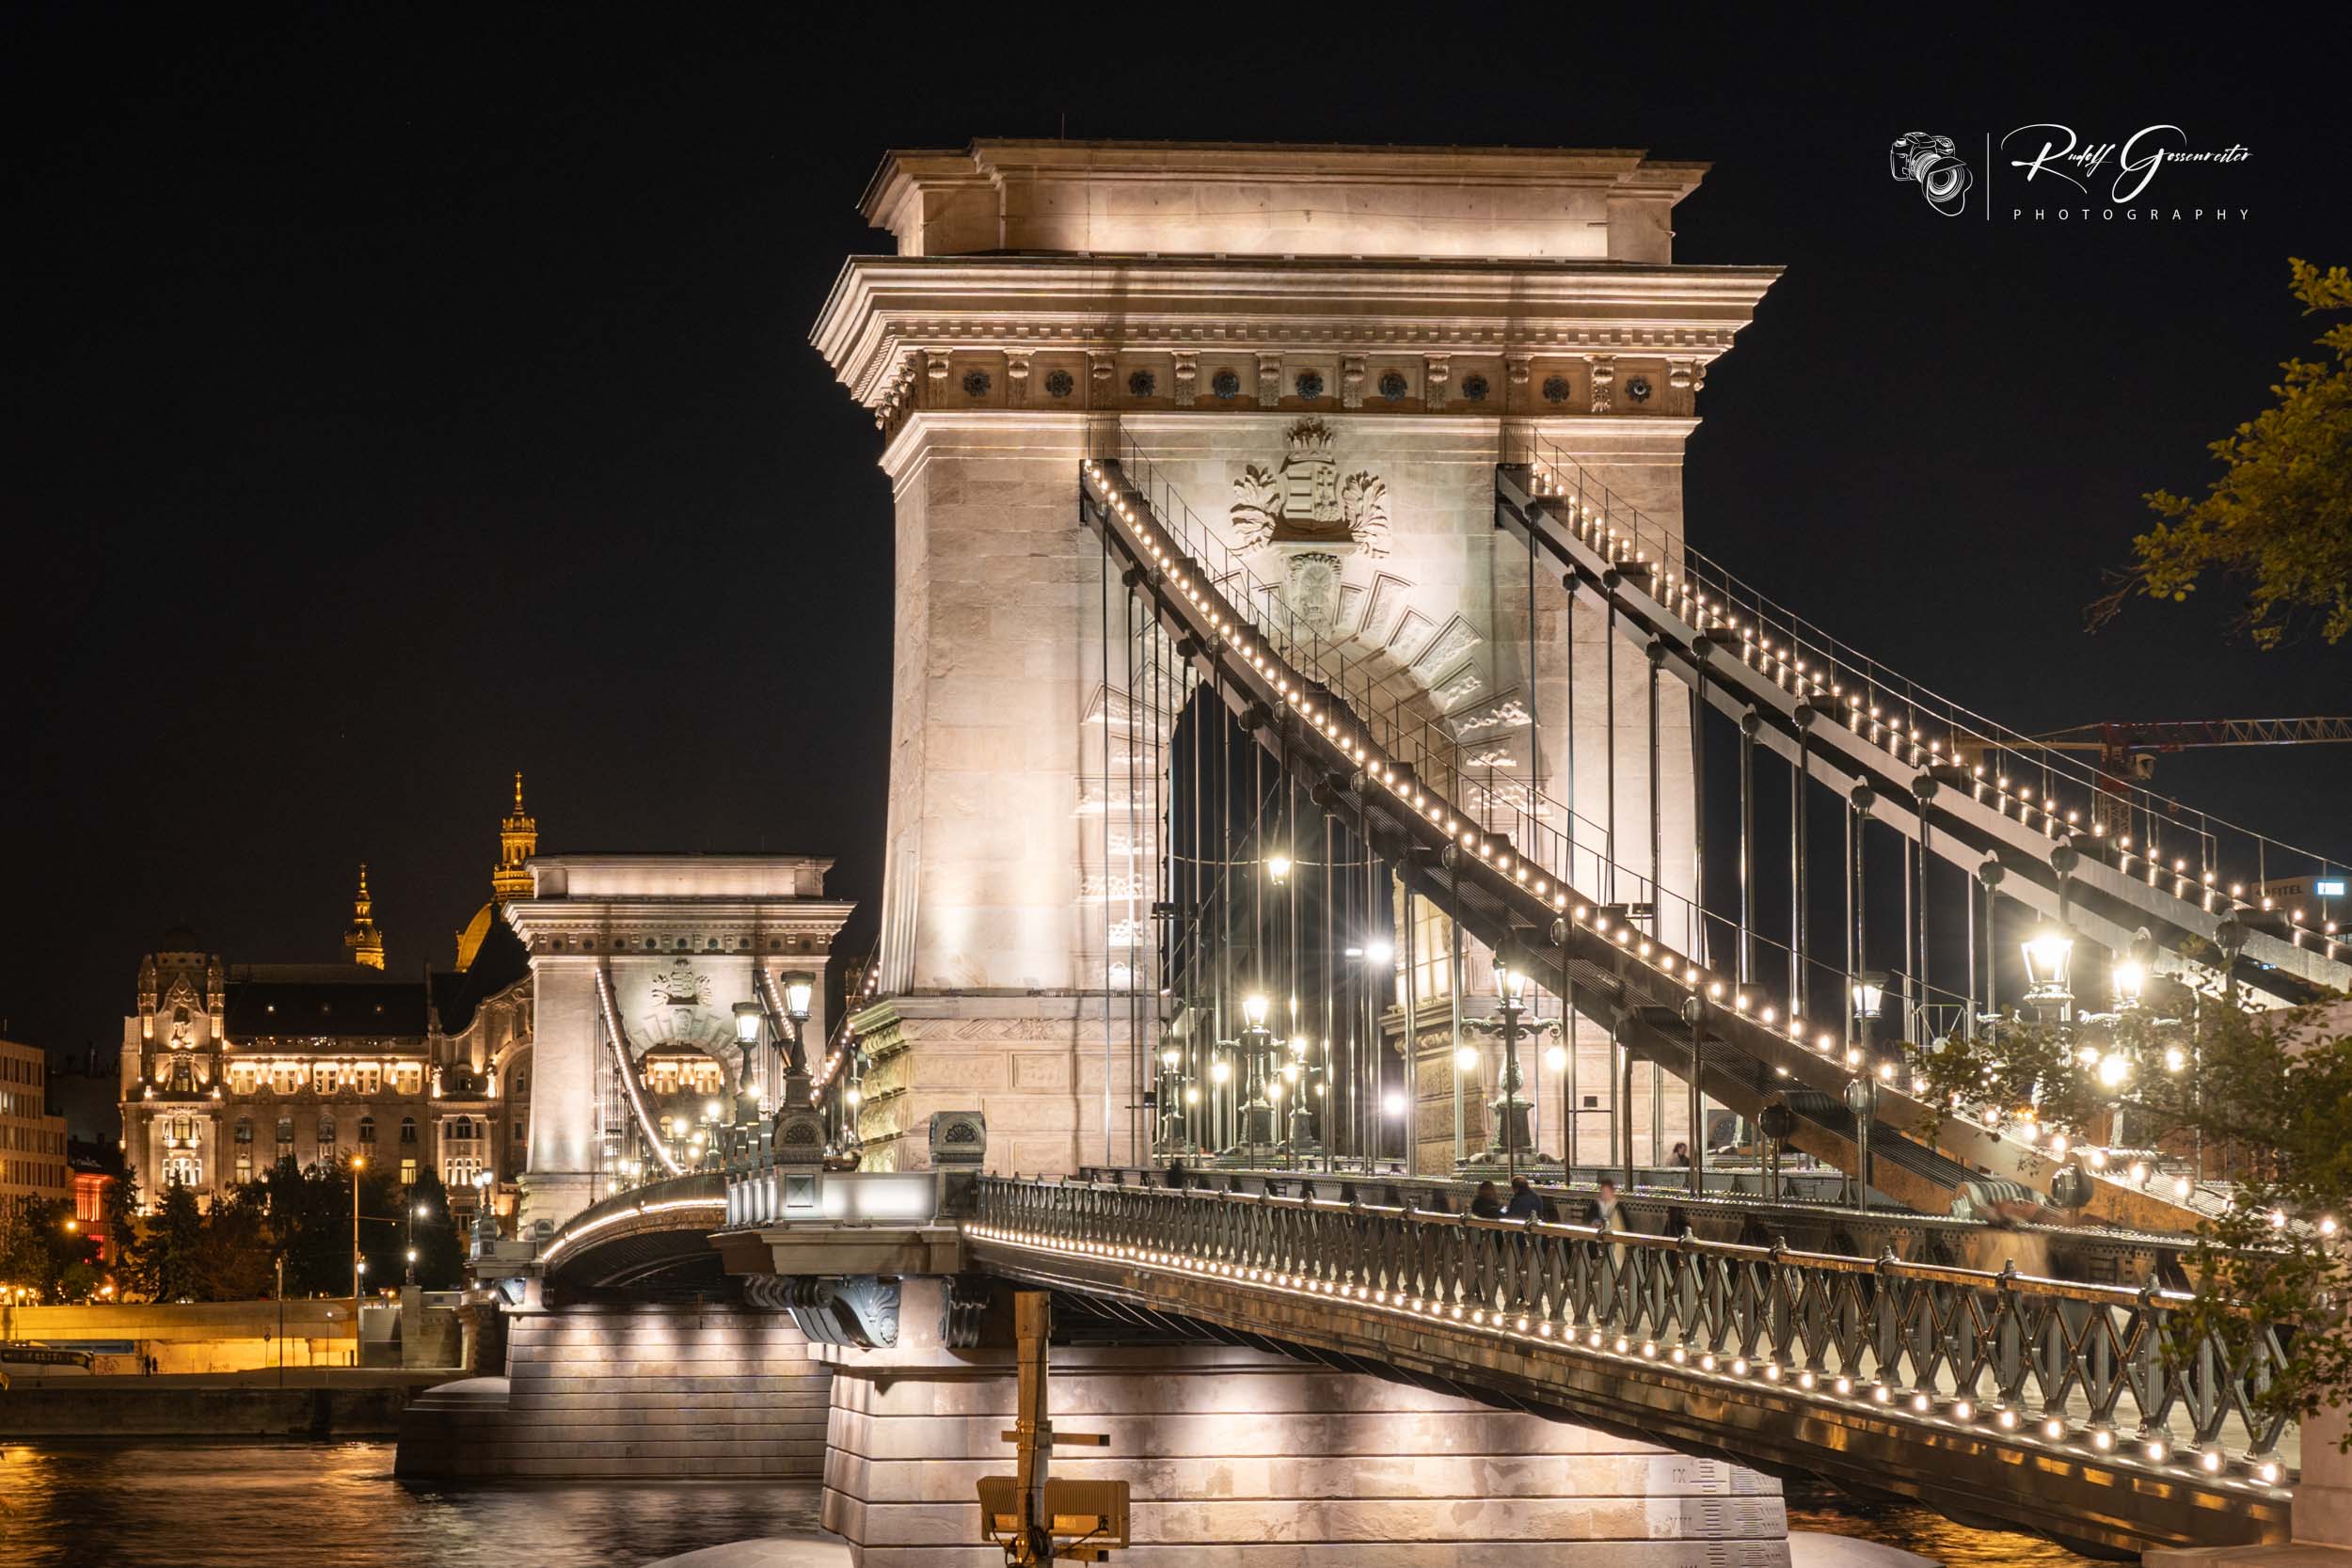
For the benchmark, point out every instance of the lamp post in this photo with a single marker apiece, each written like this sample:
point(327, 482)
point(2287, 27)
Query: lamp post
point(359, 1265)
point(1278, 873)
point(416, 1212)
point(1296, 1076)
point(1221, 1073)
point(798, 991)
point(1257, 1111)
point(1174, 1123)
point(1511, 987)
point(1862, 1094)
point(749, 1018)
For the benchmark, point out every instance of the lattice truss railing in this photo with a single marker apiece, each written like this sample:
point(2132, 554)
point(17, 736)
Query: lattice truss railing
point(2046, 1365)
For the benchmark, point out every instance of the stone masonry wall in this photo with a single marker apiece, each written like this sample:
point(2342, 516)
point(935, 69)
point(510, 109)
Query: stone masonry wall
point(1248, 1461)
point(684, 1391)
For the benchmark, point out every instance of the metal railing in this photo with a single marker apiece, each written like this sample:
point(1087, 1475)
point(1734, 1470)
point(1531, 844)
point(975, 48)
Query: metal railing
point(2041, 1363)
point(2219, 860)
point(1386, 705)
point(1265, 652)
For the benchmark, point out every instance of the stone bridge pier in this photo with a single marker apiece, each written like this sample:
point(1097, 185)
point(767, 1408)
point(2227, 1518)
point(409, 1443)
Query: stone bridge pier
point(694, 1390)
point(1234, 1454)
point(1248, 1459)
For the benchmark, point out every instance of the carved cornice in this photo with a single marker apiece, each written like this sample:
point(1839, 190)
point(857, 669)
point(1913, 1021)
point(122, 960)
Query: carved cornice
point(889, 317)
point(619, 928)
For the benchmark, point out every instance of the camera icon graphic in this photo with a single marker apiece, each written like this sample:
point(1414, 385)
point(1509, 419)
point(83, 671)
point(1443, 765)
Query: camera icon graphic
point(1931, 163)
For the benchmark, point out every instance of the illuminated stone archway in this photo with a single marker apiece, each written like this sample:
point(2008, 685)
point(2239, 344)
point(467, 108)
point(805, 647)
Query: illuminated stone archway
point(677, 940)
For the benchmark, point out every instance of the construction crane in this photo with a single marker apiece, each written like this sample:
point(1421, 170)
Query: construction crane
point(2127, 751)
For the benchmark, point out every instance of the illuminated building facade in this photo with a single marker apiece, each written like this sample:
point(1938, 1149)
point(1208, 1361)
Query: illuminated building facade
point(226, 1068)
point(32, 1142)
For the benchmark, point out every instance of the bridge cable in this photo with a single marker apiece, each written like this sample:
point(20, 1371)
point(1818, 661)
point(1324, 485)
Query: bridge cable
point(625, 1055)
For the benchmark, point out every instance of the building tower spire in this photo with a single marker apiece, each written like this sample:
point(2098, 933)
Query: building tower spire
point(519, 840)
point(363, 941)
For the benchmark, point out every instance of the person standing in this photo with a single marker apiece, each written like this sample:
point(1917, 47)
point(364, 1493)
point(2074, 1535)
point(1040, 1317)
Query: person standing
point(1487, 1203)
point(1524, 1204)
point(1602, 1212)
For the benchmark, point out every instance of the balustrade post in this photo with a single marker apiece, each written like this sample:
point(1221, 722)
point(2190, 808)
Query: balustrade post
point(1886, 1321)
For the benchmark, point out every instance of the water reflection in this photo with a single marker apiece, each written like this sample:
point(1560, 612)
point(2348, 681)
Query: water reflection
point(201, 1505)
point(336, 1505)
point(1924, 1531)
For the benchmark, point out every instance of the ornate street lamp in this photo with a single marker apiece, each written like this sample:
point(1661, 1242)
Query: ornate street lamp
point(799, 989)
point(1173, 1120)
point(1511, 989)
point(2049, 958)
point(1869, 997)
point(1257, 1110)
point(1862, 1095)
point(359, 1265)
point(2130, 978)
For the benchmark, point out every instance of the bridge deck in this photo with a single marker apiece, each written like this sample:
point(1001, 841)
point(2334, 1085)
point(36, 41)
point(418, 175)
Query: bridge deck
point(1995, 1397)
point(1294, 694)
point(1999, 1398)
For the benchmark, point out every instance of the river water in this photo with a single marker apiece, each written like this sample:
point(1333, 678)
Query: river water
point(336, 1505)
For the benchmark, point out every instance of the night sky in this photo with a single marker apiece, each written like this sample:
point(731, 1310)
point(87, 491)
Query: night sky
point(396, 399)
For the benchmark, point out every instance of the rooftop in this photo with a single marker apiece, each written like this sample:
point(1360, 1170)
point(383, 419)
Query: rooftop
point(646, 876)
point(372, 1009)
point(1279, 198)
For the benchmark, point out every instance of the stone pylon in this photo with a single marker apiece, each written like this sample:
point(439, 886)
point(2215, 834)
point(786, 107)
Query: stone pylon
point(1320, 354)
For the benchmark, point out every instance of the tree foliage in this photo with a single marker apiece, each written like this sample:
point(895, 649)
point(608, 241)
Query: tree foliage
point(2278, 519)
point(295, 1216)
point(42, 1249)
point(440, 1249)
point(170, 1254)
point(234, 1260)
point(2262, 1098)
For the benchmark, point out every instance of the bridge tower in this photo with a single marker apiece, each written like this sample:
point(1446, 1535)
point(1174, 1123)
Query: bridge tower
point(1323, 352)
point(662, 947)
